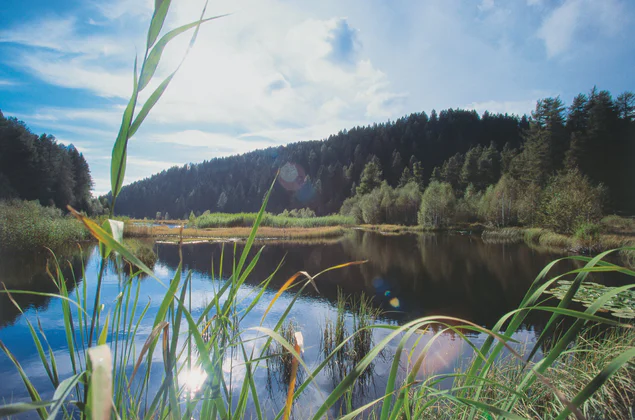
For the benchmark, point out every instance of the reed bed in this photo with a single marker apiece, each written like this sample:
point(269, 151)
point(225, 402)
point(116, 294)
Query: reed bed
point(28, 225)
point(229, 220)
point(164, 232)
point(590, 353)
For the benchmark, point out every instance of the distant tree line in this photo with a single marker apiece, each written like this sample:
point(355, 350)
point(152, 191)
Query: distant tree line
point(594, 136)
point(36, 167)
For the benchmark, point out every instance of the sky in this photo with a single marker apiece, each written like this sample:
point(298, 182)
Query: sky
point(280, 71)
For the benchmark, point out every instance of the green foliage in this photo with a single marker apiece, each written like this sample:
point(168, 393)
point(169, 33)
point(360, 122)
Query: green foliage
point(225, 220)
point(437, 205)
point(304, 213)
point(385, 205)
point(371, 177)
point(622, 305)
point(588, 232)
point(38, 168)
point(28, 225)
point(570, 200)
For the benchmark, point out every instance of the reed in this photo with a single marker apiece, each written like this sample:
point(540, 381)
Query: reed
point(28, 225)
point(229, 220)
point(164, 232)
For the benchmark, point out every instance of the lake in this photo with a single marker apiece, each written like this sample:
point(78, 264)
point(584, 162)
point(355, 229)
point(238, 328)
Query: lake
point(407, 276)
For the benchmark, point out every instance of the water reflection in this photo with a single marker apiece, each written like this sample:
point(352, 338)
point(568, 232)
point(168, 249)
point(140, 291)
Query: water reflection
point(27, 271)
point(406, 277)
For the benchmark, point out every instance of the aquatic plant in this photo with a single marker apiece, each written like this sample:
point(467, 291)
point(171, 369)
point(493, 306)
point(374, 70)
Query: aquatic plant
point(621, 305)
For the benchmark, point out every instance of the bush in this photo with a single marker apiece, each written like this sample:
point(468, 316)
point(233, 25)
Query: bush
point(437, 205)
point(570, 201)
point(307, 212)
point(385, 205)
point(588, 232)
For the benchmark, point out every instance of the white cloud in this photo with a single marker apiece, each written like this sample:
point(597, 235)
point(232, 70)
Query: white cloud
point(217, 144)
point(562, 26)
point(504, 107)
point(229, 75)
point(4, 82)
point(486, 5)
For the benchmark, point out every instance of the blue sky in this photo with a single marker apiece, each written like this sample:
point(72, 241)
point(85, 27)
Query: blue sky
point(279, 71)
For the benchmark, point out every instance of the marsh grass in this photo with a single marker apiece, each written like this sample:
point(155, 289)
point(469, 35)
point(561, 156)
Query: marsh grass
point(143, 251)
point(163, 232)
point(587, 239)
point(591, 352)
point(28, 225)
point(229, 220)
point(280, 359)
point(113, 375)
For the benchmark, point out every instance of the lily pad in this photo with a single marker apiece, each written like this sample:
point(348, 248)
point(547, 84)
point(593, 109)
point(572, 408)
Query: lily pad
point(621, 305)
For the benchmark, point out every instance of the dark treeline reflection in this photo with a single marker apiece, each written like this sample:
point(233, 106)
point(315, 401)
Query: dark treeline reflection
point(409, 275)
point(26, 271)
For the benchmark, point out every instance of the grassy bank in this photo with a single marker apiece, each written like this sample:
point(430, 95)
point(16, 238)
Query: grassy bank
point(193, 234)
point(28, 225)
point(549, 239)
point(227, 220)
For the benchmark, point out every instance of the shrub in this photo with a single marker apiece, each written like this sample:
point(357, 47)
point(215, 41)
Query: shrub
point(385, 205)
point(437, 205)
point(588, 232)
point(570, 200)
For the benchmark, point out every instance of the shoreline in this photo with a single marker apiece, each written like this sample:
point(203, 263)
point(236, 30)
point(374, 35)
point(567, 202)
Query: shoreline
point(532, 236)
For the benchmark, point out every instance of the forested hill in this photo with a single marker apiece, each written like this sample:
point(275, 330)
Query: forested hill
point(595, 133)
point(36, 167)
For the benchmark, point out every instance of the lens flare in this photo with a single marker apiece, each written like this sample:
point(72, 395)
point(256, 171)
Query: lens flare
point(193, 380)
point(394, 302)
point(292, 176)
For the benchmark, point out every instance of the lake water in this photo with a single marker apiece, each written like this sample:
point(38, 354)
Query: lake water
point(407, 276)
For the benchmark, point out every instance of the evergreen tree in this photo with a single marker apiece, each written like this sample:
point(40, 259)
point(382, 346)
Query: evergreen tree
point(451, 170)
point(371, 177)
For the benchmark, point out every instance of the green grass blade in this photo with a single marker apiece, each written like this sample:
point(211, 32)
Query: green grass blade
point(598, 381)
point(161, 8)
point(22, 407)
point(119, 150)
point(488, 408)
point(35, 397)
point(62, 392)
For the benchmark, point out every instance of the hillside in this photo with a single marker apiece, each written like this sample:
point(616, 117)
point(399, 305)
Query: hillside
point(595, 133)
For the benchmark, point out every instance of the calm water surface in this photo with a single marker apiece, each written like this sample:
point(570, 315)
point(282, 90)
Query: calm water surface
point(408, 276)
